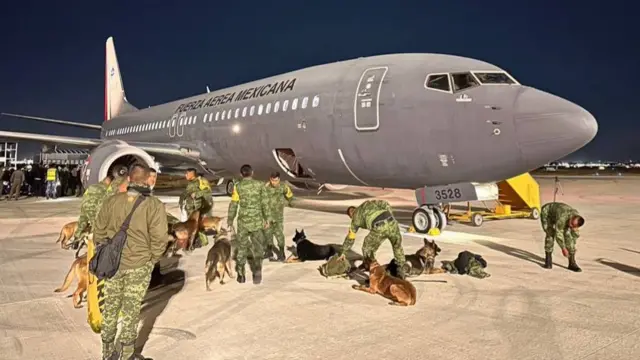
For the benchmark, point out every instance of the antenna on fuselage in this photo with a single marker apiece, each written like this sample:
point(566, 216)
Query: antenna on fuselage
point(208, 91)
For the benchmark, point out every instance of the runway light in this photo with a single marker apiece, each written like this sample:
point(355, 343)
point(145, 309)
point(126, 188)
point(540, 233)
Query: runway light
point(235, 128)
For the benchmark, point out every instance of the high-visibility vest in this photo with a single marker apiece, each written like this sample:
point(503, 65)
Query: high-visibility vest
point(51, 174)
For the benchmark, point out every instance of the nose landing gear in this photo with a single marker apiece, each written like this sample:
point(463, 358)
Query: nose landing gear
point(429, 219)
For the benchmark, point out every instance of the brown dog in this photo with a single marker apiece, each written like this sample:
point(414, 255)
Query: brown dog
point(422, 262)
point(66, 233)
point(185, 232)
point(400, 292)
point(211, 223)
point(218, 259)
point(80, 270)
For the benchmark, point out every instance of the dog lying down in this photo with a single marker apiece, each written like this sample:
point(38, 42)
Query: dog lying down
point(400, 292)
point(305, 250)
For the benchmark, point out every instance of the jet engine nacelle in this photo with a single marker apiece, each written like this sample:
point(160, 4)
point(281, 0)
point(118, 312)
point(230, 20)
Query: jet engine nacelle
point(316, 186)
point(112, 157)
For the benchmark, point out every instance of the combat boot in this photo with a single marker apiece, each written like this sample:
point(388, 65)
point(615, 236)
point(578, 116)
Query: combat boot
point(572, 263)
point(110, 348)
point(257, 273)
point(548, 264)
point(241, 278)
point(281, 256)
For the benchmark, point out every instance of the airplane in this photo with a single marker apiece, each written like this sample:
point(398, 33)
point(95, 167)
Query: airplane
point(409, 120)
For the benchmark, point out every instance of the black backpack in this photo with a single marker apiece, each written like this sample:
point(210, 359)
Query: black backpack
point(105, 262)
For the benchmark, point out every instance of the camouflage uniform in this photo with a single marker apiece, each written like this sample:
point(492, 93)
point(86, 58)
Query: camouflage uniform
point(202, 201)
point(278, 196)
point(555, 218)
point(467, 263)
point(367, 216)
point(146, 243)
point(92, 200)
point(251, 195)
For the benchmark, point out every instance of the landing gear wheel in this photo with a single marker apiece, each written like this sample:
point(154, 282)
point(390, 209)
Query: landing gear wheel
point(423, 220)
point(441, 218)
point(535, 213)
point(229, 187)
point(476, 219)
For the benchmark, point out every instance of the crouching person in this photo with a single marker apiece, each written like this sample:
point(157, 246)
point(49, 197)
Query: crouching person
point(144, 220)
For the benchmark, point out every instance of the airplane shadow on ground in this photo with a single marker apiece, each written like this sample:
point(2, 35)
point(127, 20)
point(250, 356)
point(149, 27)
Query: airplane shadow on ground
point(163, 286)
point(517, 253)
point(620, 267)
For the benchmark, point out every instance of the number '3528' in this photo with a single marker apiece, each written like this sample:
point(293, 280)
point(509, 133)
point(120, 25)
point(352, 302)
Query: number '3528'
point(447, 194)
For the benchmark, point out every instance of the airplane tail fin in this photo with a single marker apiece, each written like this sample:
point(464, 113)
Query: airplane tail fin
point(115, 100)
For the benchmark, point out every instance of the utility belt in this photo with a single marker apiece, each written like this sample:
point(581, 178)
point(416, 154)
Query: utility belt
point(382, 219)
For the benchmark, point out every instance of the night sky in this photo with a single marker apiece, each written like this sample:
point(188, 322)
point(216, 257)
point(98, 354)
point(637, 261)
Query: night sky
point(52, 59)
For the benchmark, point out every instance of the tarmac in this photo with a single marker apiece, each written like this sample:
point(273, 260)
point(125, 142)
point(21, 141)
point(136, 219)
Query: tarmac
point(521, 312)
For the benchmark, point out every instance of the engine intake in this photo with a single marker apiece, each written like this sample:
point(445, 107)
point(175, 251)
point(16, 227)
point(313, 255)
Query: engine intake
point(113, 157)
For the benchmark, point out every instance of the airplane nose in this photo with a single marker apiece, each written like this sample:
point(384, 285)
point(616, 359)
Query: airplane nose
point(549, 127)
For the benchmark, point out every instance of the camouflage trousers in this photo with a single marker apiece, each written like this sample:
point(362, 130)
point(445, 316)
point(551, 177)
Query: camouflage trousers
point(474, 268)
point(249, 241)
point(389, 230)
point(551, 238)
point(276, 228)
point(123, 295)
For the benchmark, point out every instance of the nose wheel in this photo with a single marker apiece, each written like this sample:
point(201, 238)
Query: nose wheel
point(429, 219)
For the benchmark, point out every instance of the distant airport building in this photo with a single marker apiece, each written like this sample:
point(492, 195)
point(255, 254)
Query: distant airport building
point(8, 153)
point(64, 157)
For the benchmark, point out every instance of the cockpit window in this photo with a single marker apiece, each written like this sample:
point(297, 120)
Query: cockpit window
point(463, 81)
point(494, 78)
point(438, 82)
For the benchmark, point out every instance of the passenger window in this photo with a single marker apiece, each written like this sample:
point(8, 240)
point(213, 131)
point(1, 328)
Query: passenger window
point(493, 78)
point(294, 104)
point(439, 82)
point(237, 113)
point(276, 106)
point(304, 102)
point(217, 115)
point(260, 109)
point(285, 105)
point(462, 81)
point(205, 117)
point(252, 110)
point(267, 108)
point(316, 101)
point(224, 113)
point(229, 114)
point(244, 112)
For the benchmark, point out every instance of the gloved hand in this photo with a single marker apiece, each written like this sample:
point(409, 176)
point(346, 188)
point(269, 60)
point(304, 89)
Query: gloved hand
point(565, 253)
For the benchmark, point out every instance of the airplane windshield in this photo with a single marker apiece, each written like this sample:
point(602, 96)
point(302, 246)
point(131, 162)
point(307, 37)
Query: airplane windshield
point(463, 81)
point(494, 78)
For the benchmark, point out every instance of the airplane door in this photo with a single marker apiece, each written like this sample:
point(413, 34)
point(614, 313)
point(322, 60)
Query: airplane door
point(366, 106)
point(172, 125)
point(182, 119)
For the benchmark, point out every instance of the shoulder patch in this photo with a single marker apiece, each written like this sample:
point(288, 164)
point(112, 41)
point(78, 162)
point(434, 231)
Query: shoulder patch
point(234, 196)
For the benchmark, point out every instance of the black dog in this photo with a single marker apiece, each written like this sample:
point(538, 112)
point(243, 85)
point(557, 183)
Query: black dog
point(308, 251)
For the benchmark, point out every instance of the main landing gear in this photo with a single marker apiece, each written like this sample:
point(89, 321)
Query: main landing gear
point(429, 219)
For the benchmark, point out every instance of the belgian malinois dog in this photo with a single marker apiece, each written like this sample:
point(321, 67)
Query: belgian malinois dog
point(208, 224)
point(185, 232)
point(400, 292)
point(218, 259)
point(80, 270)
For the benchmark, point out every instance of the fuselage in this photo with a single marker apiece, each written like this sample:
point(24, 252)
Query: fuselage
point(400, 120)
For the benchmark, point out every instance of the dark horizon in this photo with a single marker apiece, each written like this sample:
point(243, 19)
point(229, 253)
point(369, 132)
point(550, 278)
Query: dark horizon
point(56, 64)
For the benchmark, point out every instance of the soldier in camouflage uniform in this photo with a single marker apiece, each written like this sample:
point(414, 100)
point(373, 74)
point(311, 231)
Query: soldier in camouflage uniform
point(377, 217)
point(197, 196)
point(91, 202)
point(253, 217)
point(146, 243)
point(560, 223)
point(278, 195)
point(467, 263)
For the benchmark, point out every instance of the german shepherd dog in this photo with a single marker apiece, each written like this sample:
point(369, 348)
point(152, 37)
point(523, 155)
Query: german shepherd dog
point(66, 233)
point(218, 259)
point(80, 270)
point(400, 292)
point(213, 223)
point(422, 262)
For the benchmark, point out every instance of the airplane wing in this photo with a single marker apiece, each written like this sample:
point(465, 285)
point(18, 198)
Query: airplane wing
point(54, 121)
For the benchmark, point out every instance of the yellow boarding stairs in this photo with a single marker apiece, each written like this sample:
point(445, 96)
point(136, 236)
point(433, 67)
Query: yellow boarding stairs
point(518, 197)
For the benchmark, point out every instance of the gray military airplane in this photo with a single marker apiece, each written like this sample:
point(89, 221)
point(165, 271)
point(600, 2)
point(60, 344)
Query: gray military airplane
point(398, 121)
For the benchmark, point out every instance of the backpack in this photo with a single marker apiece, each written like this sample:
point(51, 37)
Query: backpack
point(335, 267)
point(105, 262)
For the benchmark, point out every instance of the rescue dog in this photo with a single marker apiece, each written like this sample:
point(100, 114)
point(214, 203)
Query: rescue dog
point(80, 270)
point(184, 233)
point(218, 259)
point(400, 292)
point(66, 233)
point(213, 223)
point(305, 250)
point(422, 262)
